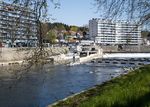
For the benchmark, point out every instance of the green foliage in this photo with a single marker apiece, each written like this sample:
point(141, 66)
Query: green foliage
point(58, 26)
point(145, 33)
point(131, 90)
point(61, 27)
point(83, 29)
point(51, 37)
point(74, 28)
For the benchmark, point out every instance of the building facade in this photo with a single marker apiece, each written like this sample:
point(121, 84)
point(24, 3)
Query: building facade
point(17, 26)
point(110, 32)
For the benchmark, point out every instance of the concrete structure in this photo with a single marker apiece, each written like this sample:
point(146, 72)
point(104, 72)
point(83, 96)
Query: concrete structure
point(20, 54)
point(88, 53)
point(111, 32)
point(17, 25)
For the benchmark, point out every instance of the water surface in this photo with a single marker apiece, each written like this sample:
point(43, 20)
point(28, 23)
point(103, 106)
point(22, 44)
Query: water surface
point(41, 87)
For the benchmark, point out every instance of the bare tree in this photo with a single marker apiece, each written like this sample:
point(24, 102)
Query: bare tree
point(132, 10)
point(39, 8)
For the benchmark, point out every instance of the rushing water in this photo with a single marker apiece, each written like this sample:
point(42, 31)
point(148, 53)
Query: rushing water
point(49, 84)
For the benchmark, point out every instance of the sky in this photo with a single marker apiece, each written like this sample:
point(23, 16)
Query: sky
point(74, 12)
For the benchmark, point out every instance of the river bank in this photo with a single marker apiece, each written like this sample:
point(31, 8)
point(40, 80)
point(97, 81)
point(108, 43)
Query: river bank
point(56, 55)
point(131, 90)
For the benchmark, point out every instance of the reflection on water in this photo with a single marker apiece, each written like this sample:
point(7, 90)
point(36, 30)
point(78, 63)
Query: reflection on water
point(49, 84)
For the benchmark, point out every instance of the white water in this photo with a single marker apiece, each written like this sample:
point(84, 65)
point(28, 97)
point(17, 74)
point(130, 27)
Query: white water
point(126, 55)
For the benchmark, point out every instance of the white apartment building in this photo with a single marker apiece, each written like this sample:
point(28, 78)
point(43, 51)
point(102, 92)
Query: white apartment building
point(111, 32)
point(18, 25)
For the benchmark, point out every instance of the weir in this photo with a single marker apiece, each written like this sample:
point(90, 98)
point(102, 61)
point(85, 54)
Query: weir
point(126, 55)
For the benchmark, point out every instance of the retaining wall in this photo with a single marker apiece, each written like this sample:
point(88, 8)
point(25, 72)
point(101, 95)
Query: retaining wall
point(18, 54)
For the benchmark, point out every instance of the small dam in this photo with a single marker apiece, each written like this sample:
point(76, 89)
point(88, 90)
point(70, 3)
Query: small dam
point(126, 55)
point(119, 61)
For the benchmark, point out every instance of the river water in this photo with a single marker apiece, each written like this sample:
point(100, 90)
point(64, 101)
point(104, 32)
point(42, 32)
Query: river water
point(43, 86)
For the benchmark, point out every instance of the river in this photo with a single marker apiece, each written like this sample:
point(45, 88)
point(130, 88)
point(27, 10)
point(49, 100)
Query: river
point(43, 86)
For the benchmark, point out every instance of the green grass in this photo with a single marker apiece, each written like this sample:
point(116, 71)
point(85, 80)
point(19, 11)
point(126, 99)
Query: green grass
point(131, 90)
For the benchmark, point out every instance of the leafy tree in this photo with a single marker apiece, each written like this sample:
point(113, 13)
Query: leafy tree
point(67, 27)
point(83, 29)
point(60, 27)
point(51, 36)
point(145, 33)
point(45, 28)
point(74, 28)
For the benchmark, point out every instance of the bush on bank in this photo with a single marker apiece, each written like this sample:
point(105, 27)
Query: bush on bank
point(131, 90)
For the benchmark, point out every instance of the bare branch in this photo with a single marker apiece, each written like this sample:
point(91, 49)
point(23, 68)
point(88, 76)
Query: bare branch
point(132, 10)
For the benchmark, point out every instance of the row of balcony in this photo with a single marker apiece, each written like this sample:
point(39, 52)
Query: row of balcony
point(116, 32)
point(18, 25)
point(14, 7)
point(25, 18)
point(16, 14)
point(18, 32)
point(6, 28)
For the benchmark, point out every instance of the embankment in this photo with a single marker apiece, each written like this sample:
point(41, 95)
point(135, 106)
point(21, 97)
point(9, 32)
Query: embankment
point(131, 90)
point(8, 55)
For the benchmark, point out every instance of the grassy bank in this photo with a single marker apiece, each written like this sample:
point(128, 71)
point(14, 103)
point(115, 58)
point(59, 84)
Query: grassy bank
point(131, 90)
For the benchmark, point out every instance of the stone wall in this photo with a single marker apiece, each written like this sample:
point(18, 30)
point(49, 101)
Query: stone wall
point(18, 54)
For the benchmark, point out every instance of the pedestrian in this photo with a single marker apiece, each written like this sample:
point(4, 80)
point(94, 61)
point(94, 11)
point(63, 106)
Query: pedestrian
point(74, 58)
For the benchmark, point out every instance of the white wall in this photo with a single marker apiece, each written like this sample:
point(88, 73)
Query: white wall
point(109, 32)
